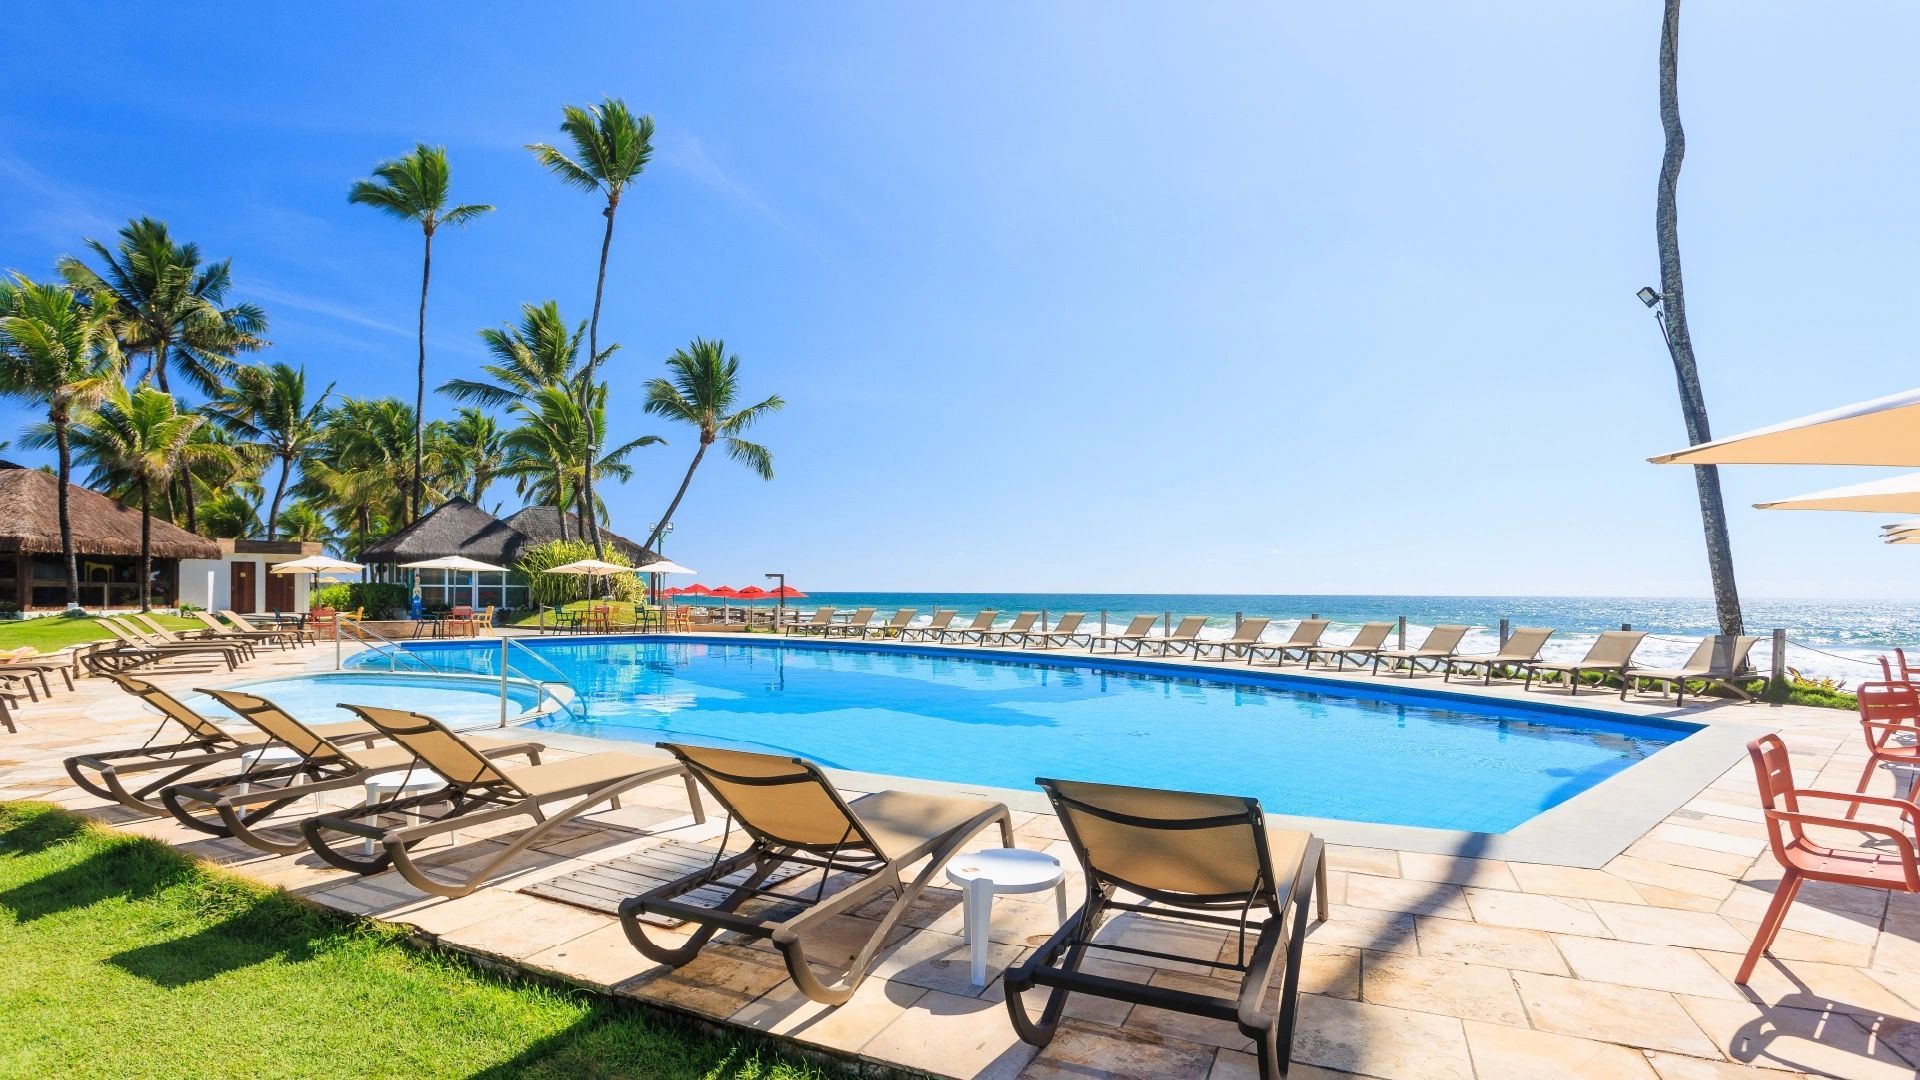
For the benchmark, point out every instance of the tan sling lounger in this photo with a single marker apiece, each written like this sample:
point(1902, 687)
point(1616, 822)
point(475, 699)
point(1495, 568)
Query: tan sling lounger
point(1196, 863)
point(1718, 660)
point(1439, 647)
point(479, 790)
point(1017, 629)
point(1062, 636)
point(893, 627)
point(218, 631)
point(1305, 636)
point(245, 803)
point(1371, 638)
point(820, 623)
point(1244, 638)
point(937, 625)
point(981, 624)
point(1522, 648)
point(155, 632)
point(1136, 633)
point(137, 643)
point(855, 626)
point(204, 743)
point(302, 631)
point(1607, 656)
point(1184, 637)
point(793, 816)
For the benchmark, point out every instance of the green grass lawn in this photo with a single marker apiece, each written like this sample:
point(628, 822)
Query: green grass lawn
point(53, 633)
point(123, 958)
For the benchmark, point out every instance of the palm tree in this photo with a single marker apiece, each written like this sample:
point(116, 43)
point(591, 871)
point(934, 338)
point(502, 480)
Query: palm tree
point(471, 450)
point(702, 392)
point(611, 147)
point(169, 306)
point(144, 435)
point(57, 348)
point(306, 523)
point(1673, 302)
point(546, 452)
point(538, 353)
point(357, 473)
point(229, 515)
point(267, 408)
point(413, 187)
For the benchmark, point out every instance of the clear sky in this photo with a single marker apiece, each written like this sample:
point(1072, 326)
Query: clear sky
point(1272, 298)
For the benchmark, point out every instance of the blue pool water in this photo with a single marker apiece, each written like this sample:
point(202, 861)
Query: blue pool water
point(1402, 759)
point(315, 699)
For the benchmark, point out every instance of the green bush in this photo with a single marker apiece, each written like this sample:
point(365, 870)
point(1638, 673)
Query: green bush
point(554, 590)
point(381, 599)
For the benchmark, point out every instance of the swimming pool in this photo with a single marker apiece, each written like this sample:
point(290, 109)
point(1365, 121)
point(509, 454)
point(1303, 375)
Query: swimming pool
point(1299, 746)
point(459, 701)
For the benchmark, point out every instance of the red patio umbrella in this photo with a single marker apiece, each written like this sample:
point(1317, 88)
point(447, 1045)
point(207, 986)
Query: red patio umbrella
point(752, 592)
point(787, 592)
point(725, 593)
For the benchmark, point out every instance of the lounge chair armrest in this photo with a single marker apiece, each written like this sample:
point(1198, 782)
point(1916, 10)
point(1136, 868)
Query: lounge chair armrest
point(1253, 989)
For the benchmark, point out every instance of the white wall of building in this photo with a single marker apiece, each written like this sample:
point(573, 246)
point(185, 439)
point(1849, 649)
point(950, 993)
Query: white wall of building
point(208, 583)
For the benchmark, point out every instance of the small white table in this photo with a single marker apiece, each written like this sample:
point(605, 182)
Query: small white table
point(1001, 870)
point(403, 782)
point(267, 757)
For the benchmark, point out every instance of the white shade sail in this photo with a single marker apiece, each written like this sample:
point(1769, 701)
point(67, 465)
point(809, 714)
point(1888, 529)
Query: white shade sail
point(1884, 431)
point(316, 564)
point(1893, 495)
point(455, 562)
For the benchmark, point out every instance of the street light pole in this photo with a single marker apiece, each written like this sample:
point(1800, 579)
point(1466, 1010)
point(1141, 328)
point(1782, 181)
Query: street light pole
point(780, 595)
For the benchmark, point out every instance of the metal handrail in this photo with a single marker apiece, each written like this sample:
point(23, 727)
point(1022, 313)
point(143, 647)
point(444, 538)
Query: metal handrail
point(577, 706)
point(392, 651)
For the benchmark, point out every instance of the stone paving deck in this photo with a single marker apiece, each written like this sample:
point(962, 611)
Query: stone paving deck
point(1433, 965)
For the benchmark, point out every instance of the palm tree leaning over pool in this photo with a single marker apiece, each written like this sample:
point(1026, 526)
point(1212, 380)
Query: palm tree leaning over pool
point(611, 147)
point(413, 187)
point(267, 407)
point(1673, 302)
point(701, 393)
point(59, 349)
point(546, 451)
point(145, 436)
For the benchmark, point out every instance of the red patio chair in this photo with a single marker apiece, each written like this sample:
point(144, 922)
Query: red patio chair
point(1888, 709)
point(1803, 859)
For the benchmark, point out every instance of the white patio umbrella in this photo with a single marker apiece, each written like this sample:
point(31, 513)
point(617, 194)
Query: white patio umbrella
point(455, 562)
point(591, 568)
point(1892, 495)
point(664, 567)
point(314, 566)
point(1884, 431)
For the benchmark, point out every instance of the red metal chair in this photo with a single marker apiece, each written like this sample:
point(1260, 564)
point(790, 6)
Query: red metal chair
point(1803, 859)
point(1888, 709)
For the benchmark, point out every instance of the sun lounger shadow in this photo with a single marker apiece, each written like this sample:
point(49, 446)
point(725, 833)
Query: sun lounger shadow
point(85, 884)
point(254, 936)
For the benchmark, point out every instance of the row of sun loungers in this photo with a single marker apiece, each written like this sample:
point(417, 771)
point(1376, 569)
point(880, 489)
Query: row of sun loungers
point(1208, 860)
point(1718, 660)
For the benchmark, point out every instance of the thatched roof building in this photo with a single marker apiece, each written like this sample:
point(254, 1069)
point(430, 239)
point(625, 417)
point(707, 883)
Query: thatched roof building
point(458, 527)
point(30, 521)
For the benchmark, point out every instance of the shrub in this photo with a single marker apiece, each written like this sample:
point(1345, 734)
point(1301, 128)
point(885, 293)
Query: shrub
point(381, 599)
point(331, 596)
point(554, 590)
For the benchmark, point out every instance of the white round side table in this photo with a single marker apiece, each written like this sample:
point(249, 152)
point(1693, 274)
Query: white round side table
point(403, 782)
point(1001, 870)
point(266, 757)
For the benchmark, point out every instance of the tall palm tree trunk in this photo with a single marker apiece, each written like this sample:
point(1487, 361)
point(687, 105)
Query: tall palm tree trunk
point(279, 489)
point(186, 499)
point(1693, 401)
point(146, 547)
point(591, 522)
point(72, 559)
point(685, 481)
point(420, 384)
point(158, 372)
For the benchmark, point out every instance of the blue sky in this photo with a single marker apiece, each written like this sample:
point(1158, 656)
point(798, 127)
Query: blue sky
point(1314, 298)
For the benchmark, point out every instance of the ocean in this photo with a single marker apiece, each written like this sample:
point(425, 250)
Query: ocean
point(1837, 639)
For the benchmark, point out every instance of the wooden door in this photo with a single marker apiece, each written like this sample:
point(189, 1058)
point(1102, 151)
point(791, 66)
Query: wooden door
point(240, 596)
point(280, 592)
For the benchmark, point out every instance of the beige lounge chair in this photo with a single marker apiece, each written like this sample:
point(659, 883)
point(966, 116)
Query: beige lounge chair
point(942, 618)
point(1304, 637)
point(855, 626)
point(1369, 640)
point(820, 623)
point(218, 631)
point(1439, 647)
point(1244, 638)
point(26, 664)
point(793, 816)
point(1015, 630)
point(204, 743)
point(981, 624)
point(1522, 648)
point(301, 630)
point(1184, 637)
point(241, 805)
point(1195, 864)
point(1063, 634)
point(1719, 660)
point(893, 627)
point(151, 649)
point(1608, 655)
point(1136, 633)
point(154, 632)
point(479, 791)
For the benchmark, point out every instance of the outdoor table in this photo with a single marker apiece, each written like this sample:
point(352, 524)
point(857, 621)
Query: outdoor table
point(429, 626)
point(1001, 870)
point(269, 756)
point(403, 782)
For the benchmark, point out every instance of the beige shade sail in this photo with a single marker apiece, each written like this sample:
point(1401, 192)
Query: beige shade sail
point(1904, 538)
point(316, 564)
point(1893, 495)
point(1910, 525)
point(1884, 431)
point(455, 562)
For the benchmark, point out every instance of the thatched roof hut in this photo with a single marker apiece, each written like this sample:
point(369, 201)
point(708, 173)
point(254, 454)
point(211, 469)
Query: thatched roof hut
point(458, 527)
point(30, 521)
